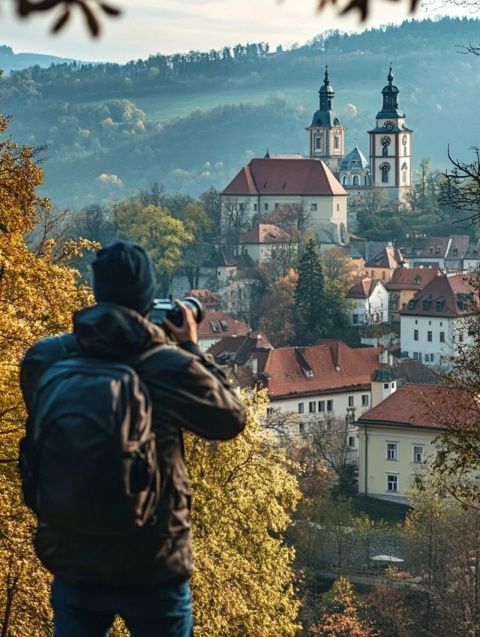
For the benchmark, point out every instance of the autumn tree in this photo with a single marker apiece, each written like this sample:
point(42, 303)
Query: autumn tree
point(243, 494)
point(38, 293)
point(278, 310)
point(38, 290)
point(163, 237)
point(342, 614)
point(447, 561)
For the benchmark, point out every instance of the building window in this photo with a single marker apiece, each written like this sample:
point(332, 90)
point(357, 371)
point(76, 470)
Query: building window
point(336, 142)
point(365, 400)
point(385, 385)
point(429, 336)
point(318, 143)
point(355, 319)
point(418, 454)
point(313, 207)
point(265, 206)
point(255, 207)
point(241, 207)
point(338, 207)
point(442, 337)
point(329, 405)
point(344, 181)
point(301, 408)
point(312, 407)
point(350, 401)
point(460, 337)
point(392, 451)
point(383, 276)
point(392, 482)
point(385, 169)
point(351, 442)
point(321, 405)
point(269, 411)
point(415, 335)
point(301, 427)
point(356, 180)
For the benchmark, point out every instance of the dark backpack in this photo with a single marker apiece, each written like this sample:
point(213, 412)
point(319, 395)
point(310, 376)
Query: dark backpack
point(88, 461)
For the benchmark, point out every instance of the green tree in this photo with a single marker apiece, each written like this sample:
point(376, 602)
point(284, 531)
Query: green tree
point(162, 236)
point(310, 314)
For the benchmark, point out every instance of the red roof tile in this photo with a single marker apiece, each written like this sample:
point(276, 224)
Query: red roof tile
point(390, 257)
point(285, 177)
point(422, 406)
point(411, 278)
point(218, 325)
point(363, 288)
point(266, 233)
point(445, 296)
point(319, 368)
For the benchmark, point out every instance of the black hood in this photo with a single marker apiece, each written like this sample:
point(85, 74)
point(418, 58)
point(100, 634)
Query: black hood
point(115, 331)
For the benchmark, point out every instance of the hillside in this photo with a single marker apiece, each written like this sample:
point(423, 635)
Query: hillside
point(191, 120)
point(11, 61)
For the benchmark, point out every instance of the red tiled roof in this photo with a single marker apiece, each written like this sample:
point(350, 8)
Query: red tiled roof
point(328, 366)
point(285, 177)
point(363, 288)
point(218, 325)
point(411, 278)
point(390, 257)
point(422, 406)
point(443, 297)
point(265, 233)
point(233, 344)
point(206, 296)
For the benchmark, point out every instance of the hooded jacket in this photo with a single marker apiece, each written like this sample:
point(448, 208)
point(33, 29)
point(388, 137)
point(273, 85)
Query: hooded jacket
point(188, 391)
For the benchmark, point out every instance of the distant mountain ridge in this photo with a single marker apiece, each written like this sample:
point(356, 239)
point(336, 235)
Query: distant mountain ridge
point(11, 61)
point(191, 120)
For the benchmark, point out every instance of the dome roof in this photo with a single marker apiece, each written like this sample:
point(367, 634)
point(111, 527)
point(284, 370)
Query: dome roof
point(355, 161)
point(324, 118)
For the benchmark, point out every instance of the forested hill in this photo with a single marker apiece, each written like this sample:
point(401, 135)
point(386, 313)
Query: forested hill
point(11, 61)
point(191, 120)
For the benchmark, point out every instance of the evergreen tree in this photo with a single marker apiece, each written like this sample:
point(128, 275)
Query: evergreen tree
point(310, 315)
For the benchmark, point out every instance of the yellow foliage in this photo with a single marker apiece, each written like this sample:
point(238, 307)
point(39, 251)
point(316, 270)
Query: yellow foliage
point(38, 291)
point(243, 492)
point(24, 583)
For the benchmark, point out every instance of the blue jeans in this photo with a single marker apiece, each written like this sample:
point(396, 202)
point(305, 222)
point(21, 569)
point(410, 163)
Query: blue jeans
point(150, 611)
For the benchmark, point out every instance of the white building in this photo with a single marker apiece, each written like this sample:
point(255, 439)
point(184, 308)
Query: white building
point(268, 183)
point(391, 147)
point(313, 384)
point(368, 303)
point(265, 241)
point(435, 322)
point(326, 136)
point(397, 436)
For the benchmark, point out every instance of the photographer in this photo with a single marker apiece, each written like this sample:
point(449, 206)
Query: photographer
point(142, 576)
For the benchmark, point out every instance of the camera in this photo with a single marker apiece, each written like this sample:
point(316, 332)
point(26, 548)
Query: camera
point(166, 309)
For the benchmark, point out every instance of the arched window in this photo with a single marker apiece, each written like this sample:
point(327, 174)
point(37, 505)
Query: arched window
point(344, 180)
point(356, 180)
point(336, 142)
point(385, 168)
point(385, 151)
point(366, 180)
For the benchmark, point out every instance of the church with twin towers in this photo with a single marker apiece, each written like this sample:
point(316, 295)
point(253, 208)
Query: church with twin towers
point(328, 180)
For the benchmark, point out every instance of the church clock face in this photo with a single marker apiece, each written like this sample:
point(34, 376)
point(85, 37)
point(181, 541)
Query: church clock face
point(385, 140)
point(389, 125)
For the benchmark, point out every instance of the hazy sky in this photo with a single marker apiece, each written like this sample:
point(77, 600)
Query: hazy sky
point(166, 26)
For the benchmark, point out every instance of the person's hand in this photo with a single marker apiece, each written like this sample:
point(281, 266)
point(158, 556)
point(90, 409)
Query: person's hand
point(188, 330)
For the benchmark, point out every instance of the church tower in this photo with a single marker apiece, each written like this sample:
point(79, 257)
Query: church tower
point(391, 147)
point(326, 136)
